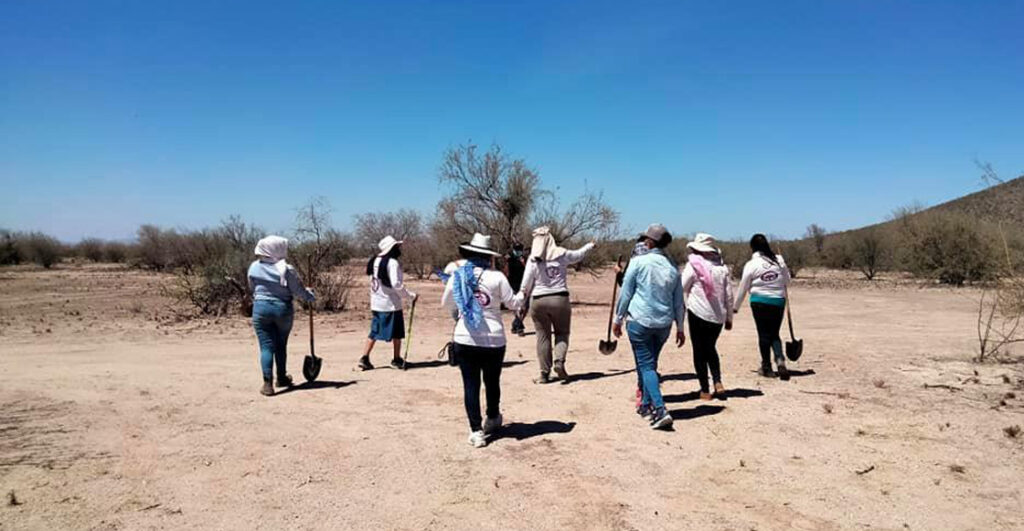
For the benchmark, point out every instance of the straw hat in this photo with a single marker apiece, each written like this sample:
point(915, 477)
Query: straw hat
point(480, 244)
point(703, 243)
point(387, 244)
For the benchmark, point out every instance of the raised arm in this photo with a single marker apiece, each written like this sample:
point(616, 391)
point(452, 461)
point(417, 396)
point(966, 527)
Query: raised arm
point(571, 257)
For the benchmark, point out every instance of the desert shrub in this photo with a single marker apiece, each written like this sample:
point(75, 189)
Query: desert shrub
point(90, 248)
point(420, 253)
point(153, 248)
point(796, 254)
point(39, 248)
point(9, 253)
point(839, 252)
point(869, 251)
point(115, 252)
point(736, 255)
point(950, 247)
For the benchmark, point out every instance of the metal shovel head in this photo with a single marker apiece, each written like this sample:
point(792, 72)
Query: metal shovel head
point(311, 367)
point(607, 347)
point(794, 349)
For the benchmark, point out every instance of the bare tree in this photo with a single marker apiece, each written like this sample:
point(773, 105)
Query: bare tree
point(1001, 311)
point(419, 252)
point(589, 217)
point(319, 249)
point(816, 233)
point(989, 177)
point(869, 251)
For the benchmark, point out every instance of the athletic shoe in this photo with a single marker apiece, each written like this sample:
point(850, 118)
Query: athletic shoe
point(491, 425)
point(766, 372)
point(704, 395)
point(662, 420)
point(646, 413)
point(542, 379)
point(398, 363)
point(285, 381)
point(783, 372)
point(477, 439)
point(560, 371)
point(364, 363)
point(268, 388)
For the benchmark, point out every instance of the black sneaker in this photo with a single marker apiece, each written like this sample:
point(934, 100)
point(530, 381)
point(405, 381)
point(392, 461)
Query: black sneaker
point(661, 419)
point(783, 372)
point(560, 371)
point(398, 363)
point(645, 412)
point(364, 363)
point(766, 372)
point(285, 381)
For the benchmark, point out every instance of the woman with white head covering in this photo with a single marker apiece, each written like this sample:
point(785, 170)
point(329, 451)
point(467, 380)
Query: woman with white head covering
point(274, 283)
point(474, 295)
point(545, 280)
point(708, 295)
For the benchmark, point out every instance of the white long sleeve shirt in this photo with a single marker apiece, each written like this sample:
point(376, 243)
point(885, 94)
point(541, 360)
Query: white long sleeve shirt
point(549, 277)
point(717, 309)
point(383, 298)
point(763, 278)
point(492, 291)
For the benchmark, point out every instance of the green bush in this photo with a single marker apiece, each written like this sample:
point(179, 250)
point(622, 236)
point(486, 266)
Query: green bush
point(950, 247)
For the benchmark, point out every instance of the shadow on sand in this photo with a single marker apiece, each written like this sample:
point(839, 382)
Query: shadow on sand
point(729, 393)
point(312, 386)
point(587, 376)
point(697, 412)
point(520, 431)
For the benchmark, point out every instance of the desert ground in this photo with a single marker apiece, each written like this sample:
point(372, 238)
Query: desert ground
point(119, 412)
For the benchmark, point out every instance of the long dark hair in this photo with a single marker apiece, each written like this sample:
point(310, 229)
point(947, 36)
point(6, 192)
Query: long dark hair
point(759, 244)
point(382, 271)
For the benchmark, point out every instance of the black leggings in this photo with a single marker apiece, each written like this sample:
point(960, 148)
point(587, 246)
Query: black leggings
point(768, 319)
point(472, 362)
point(703, 336)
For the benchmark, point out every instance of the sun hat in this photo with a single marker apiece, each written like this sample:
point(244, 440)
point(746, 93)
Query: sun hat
point(387, 244)
point(703, 243)
point(480, 244)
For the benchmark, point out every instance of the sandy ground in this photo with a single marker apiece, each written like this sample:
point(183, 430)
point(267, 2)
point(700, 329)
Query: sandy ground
point(118, 414)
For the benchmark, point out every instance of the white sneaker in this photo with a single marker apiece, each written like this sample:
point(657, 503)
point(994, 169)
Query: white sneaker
point(477, 439)
point(491, 425)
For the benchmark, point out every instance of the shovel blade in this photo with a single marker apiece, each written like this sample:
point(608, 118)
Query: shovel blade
point(794, 349)
point(311, 367)
point(607, 347)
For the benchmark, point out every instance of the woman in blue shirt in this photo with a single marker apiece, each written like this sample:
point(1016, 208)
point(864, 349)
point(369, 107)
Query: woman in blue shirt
point(274, 283)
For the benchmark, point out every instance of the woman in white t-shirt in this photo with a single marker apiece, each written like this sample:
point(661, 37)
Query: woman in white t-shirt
point(545, 281)
point(767, 278)
point(474, 294)
point(709, 307)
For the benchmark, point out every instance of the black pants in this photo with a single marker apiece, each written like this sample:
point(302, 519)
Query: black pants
point(474, 361)
point(703, 337)
point(768, 319)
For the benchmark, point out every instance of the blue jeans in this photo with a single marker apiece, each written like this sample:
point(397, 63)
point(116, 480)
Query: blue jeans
point(647, 343)
point(272, 319)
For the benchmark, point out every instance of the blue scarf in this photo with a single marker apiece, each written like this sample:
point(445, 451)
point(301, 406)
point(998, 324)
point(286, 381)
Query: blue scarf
point(463, 287)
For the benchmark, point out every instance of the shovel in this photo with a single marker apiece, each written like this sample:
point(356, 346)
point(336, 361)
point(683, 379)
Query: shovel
point(607, 346)
point(408, 335)
point(794, 347)
point(311, 365)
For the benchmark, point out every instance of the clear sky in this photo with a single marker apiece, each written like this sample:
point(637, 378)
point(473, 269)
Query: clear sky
point(726, 117)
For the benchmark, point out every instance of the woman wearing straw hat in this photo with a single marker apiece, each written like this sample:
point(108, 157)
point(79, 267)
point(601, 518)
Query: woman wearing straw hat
point(545, 280)
point(274, 283)
point(474, 294)
point(387, 292)
point(709, 306)
point(767, 278)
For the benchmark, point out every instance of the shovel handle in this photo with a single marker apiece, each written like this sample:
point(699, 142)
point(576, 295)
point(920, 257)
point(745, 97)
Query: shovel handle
point(615, 291)
point(312, 352)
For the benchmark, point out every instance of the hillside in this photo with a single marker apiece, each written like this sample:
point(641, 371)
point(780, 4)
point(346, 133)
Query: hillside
point(1001, 203)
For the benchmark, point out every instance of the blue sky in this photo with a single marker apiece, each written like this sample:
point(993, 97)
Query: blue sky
point(722, 117)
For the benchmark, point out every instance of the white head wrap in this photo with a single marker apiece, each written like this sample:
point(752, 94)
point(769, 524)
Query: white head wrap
point(275, 249)
point(544, 247)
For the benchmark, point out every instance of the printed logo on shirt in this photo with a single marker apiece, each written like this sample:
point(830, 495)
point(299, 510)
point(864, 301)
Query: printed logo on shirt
point(483, 298)
point(769, 276)
point(374, 284)
point(553, 271)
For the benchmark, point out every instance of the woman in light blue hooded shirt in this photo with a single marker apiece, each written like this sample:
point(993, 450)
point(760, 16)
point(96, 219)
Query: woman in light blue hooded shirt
point(274, 283)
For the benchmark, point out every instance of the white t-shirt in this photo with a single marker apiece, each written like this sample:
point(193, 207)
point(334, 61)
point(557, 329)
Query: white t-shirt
point(717, 309)
point(492, 291)
point(763, 277)
point(385, 299)
point(546, 278)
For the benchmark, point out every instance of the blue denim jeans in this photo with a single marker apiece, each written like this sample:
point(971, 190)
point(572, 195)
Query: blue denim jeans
point(647, 343)
point(272, 319)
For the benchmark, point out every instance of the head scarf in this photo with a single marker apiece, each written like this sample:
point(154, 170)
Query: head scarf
point(274, 249)
point(464, 287)
point(702, 267)
point(544, 247)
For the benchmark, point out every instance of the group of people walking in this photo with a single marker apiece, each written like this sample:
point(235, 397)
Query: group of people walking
point(656, 295)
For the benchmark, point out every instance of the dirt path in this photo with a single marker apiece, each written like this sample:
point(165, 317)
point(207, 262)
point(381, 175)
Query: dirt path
point(123, 417)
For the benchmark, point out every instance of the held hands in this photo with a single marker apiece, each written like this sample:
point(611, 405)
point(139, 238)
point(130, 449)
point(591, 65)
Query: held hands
point(680, 338)
point(728, 325)
point(617, 329)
